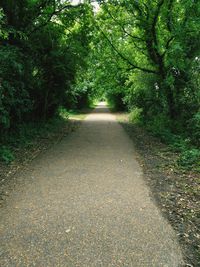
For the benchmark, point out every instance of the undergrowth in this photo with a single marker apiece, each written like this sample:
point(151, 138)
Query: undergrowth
point(26, 133)
point(161, 127)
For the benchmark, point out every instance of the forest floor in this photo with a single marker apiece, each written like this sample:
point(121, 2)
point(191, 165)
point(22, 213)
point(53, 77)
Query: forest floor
point(84, 201)
point(176, 190)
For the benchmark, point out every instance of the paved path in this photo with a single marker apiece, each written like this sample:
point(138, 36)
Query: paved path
point(84, 203)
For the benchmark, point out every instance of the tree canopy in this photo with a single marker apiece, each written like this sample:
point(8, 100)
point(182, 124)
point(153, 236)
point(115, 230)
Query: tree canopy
point(43, 45)
point(146, 55)
point(140, 55)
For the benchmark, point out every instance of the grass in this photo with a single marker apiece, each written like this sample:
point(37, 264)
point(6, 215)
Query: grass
point(78, 114)
point(189, 154)
point(25, 136)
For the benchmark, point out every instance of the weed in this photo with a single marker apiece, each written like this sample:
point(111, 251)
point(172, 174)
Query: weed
point(190, 158)
point(6, 154)
point(135, 116)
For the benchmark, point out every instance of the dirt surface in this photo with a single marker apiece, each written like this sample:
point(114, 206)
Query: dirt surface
point(176, 190)
point(84, 202)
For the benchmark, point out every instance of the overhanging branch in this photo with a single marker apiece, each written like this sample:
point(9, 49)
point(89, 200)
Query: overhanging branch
point(133, 66)
point(54, 13)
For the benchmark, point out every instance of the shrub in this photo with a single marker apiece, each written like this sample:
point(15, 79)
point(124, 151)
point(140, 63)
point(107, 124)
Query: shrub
point(194, 128)
point(159, 125)
point(135, 116)
point(6, 154)
point(14, 97)
point(189, 158)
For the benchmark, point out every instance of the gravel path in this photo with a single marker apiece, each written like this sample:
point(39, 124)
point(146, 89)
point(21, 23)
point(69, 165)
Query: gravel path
point(84, 203)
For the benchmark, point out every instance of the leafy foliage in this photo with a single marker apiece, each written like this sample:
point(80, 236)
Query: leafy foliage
point(140, 55)
point(6, 154)
point(189, 158)
point(146, 57)
point(43, 44)
point(43, 49)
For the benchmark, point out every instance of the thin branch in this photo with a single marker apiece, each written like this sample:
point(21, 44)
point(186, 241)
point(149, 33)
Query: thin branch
point(167, 45)
point(123, 28)
point(133, 66)
point(54, 13)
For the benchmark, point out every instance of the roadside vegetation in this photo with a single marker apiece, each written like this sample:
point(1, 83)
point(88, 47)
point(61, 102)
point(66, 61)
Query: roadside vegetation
point(43, 50)
point(146, 55)
point(142, 57)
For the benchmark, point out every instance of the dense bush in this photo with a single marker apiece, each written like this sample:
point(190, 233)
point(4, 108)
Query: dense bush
point(44, 47)
point(189, 158)
point(194, 128)
point(14, 84)
point(40, 54)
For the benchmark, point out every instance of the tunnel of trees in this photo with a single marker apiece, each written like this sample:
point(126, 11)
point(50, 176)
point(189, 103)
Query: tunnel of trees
point(142, 56)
